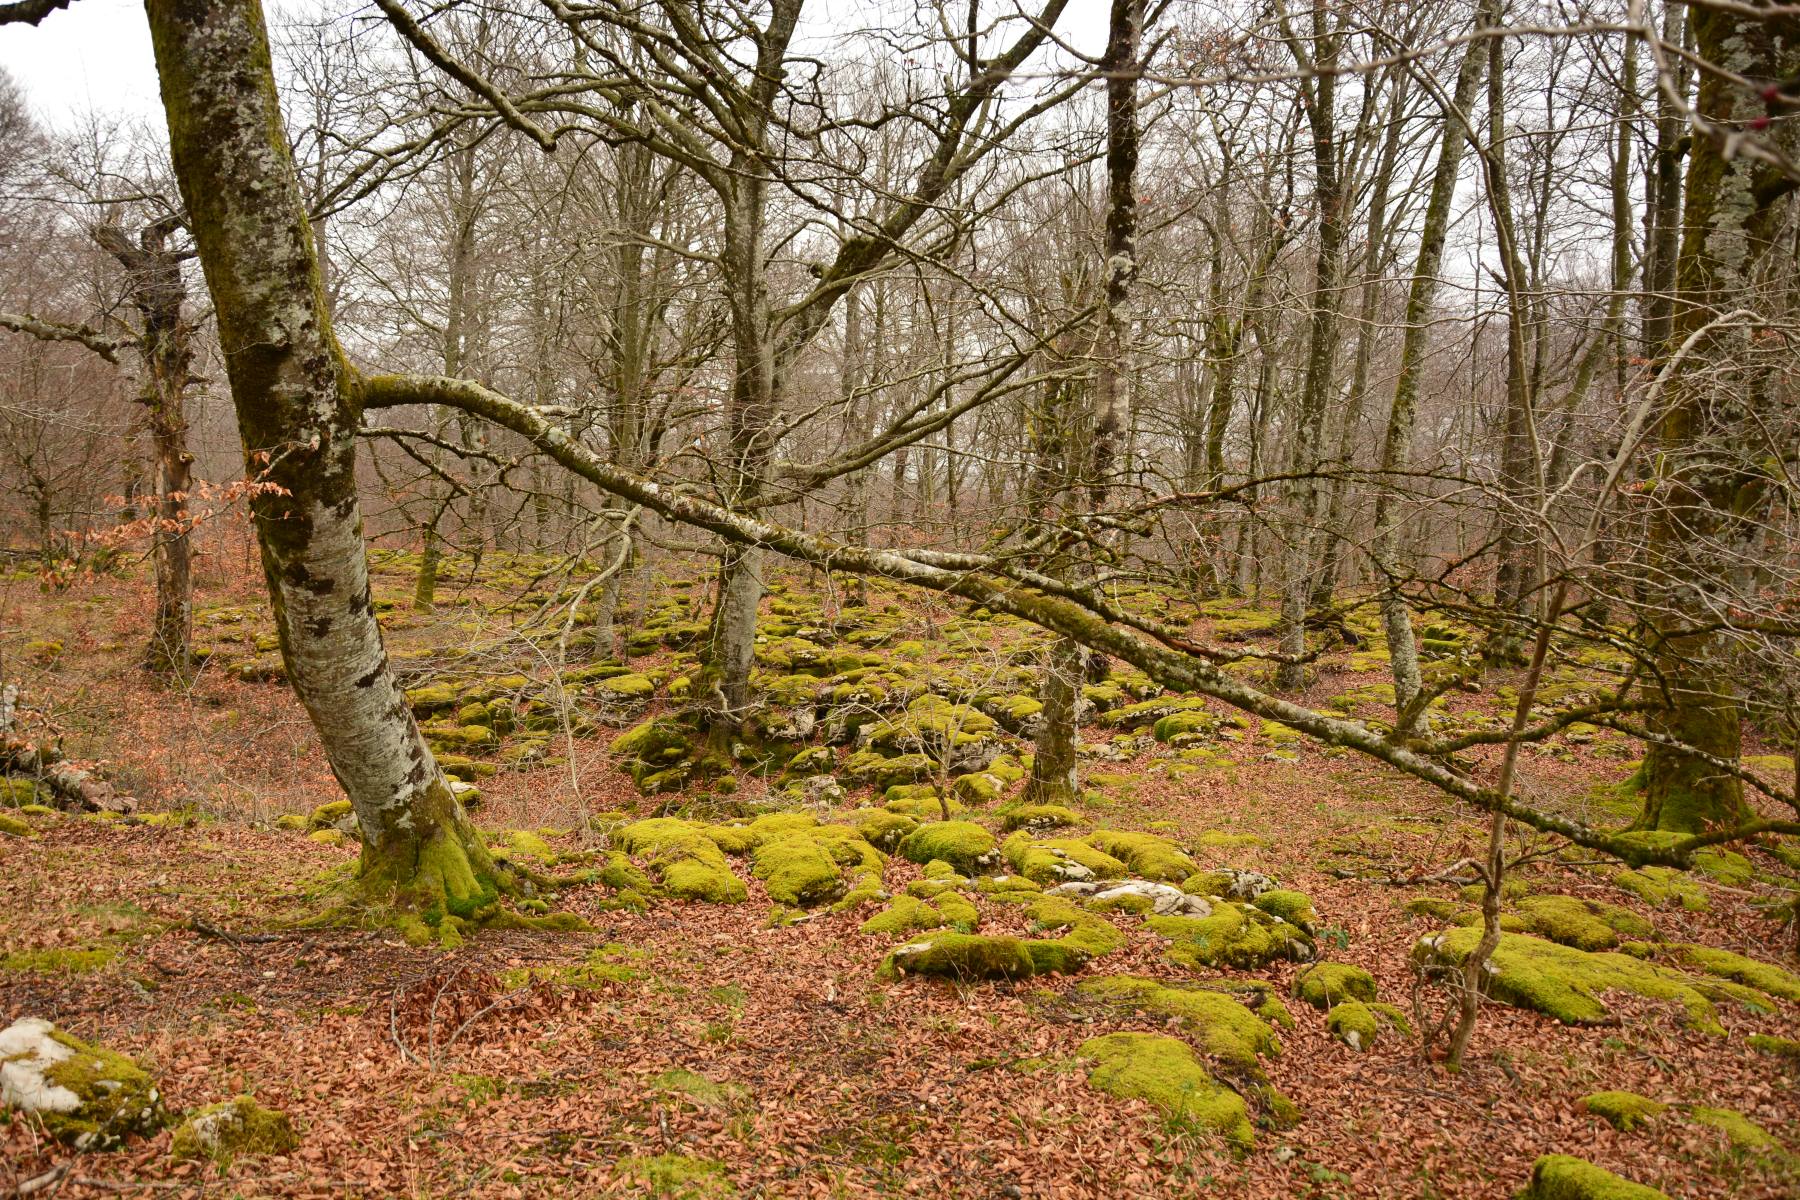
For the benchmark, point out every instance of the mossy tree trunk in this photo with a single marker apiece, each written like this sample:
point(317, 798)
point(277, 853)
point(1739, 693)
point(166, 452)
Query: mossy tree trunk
point(293, 393)
point(1396, 445)
point(1056, 755)
point(1712, 488)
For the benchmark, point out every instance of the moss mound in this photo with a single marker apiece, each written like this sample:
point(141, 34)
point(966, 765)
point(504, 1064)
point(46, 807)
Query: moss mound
point(84, 1095)
point(1327, 983)
point(1741, 1131)
point(1764, 977)
point(965, 845)
point(1295, 908)
point(1165, 1072)
point(1234, 935)
point(1624, 1111)
point(905, 915)
point(1145, 855)
point(1561, 1177)
point(1058, 860)
point(1566, 983)
point(688, 864)
point(1359, 1025)
point(1584, 924)
point(1226, 1030)
point(1037, 816)
point(962, 956)
point(222, 1132)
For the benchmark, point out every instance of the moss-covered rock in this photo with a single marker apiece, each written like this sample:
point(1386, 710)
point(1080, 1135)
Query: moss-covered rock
point(797, 870)
point(1561, 1177)
point(1165, 1072)
point(1584, 924)
point(1663, 887)
point(883, 771)
point(1764, 977)
point(1325, 984)
point(1296, 908)
point(1739, 1130)
point(1780, 1047)
point(1058, 860)
point(1225, 1029)
point(1566, 983)
point(1359, 1025)
point(1234, 935)
point(689, 865)
point(965, 845)
point(14, 827)
point(1624, 1111)
point(1036, 817)
point(327, 815)
point(903, 916)
point(1145, 855)
point(881, 828)
point(84, 1095)
point(223, 1132)
point(962, 956)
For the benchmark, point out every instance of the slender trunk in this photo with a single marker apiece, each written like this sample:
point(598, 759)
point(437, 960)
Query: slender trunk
point(1396, 446)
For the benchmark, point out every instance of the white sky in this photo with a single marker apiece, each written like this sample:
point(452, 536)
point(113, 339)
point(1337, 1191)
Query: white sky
point(92, 56)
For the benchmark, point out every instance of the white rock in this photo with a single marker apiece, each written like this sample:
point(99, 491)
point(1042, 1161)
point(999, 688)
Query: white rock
point(27, 1051)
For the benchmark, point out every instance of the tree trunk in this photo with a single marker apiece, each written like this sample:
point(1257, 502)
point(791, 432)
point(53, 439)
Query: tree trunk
point(296, 410)
point(1712, 486)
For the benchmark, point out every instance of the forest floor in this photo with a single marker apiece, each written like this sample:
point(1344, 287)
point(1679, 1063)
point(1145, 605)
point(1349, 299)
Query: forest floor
point(756, 1048)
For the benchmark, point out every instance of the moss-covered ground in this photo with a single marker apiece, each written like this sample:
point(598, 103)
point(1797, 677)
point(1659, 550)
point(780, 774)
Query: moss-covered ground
point(727, 1028)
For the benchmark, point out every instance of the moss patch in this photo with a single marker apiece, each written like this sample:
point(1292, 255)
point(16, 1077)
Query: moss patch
point(1165, 1072)
point(1226, 1030)
point(1234, 935)
point(689, 864)
point(676, 1177)
point(1327, 983)
point(1624, 1111)
point(1561, 1177)
point(965, 845)
point(1145, 855)
point(223, 1132)
point(1741, 1131)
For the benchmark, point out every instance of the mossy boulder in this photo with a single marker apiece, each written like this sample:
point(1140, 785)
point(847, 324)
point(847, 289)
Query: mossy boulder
point(881, 828)
point(656, 754)
point(963, 956)
point(328, 816)
point(223, 1132)
point(688, 864)
point(1059, 860)
point(1225, 1029)
point(1296, 908)
point(1165, 1072)
point(1145, 855)
point(1574, 921)
point(1233, 935)
point(905, 915)
point(797, 870)
point(1624, 1111)
point(1568, 984)
point(1739, 1130)
point(1036, 817)
point(86, 1096)
point(1562, 1177)
point(14, 827)
point(1359, 1025)
point(965, 845)
point(882, 771)
point(1325, 984)
point(1663, 887)
point(1764, 977)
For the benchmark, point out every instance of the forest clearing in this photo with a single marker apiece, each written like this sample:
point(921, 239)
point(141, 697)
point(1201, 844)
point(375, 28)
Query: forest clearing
point(1019, 599)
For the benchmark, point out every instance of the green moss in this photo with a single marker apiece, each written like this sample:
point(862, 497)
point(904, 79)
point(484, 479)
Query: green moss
point(16, 792)
point(1584, 924)
point(1091, 935)
point(904, 915)
point(1207, 883)
point(1780, 1047)
point(1145, 855)
point(962, 956)
point(1353, 1023)
point(1234, 935)
point(881, 828)
point(1663, 887)
point(1293, 907)
point(883, 771)
point(1327, 983)
point(1226, 1030)
point(965, 845)
point(327, 815)
point(1214, 839)
point(1566, 983)
point(13, 827)
point(962, 915)
point(1764, 977)
point(690, 865)
point(676, 1177)
point(1058, 859)
point(1560, 1177)
point(797, 870)
point(60, 960)
point(1436, 908)
point(1035, 817)
point(290, 822)
point(608, 964)
point(1165, 1072)
point(114, 1097)
point(1741, 1131)
point(1624, 1111)
point(223, 1132)
point(690, 1089)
